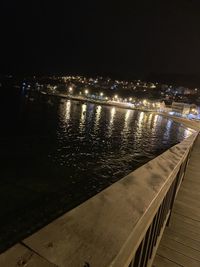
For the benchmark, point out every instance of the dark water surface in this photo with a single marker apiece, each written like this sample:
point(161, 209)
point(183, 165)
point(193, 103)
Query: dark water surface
point(56, 153)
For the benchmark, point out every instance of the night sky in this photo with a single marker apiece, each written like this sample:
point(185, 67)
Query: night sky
point(127, 39)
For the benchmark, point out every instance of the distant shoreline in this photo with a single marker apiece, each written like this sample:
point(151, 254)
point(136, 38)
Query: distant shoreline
point(195, 125)
point(106, 103)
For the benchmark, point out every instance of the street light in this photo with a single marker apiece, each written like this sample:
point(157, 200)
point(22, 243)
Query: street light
point(101, 94)
point(70, 89)
point(86, 92)
point(144, 102)
point(130, 98)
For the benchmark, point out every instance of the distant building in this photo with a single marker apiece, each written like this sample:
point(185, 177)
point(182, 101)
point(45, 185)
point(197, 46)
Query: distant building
point(180, 108)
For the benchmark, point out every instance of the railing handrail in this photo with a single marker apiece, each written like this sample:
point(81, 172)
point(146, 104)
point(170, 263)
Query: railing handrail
point(107, 229)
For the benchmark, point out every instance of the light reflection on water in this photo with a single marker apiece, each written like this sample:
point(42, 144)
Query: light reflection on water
point(83, 117)
point(127, 120)
point(168, 129)
point(112, 139)
point(97, 118)
point(68, 107)
point(112, 115)
point(111, 123)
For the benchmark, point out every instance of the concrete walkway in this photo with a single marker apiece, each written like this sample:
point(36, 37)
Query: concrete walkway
point(180, 244)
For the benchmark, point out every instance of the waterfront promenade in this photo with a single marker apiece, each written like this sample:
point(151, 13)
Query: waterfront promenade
point(180, 244)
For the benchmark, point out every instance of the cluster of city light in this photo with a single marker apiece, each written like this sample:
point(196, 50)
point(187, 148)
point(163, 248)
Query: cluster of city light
point(70, 89)
point(117, 98)
point(109, 82)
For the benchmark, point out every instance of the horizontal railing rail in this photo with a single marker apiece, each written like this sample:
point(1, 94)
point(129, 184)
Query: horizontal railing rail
point(122, 225)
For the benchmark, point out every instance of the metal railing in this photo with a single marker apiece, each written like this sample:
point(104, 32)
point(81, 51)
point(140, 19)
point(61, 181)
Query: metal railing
point(144, 254)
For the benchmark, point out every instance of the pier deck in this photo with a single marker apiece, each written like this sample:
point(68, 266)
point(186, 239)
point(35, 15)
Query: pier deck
point(180, 244)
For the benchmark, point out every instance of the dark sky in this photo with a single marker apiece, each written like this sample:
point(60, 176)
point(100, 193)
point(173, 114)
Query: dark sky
point(95, 37)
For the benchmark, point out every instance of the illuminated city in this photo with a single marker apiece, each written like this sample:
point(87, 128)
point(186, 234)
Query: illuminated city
point(100, 136)
point(173, 100)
